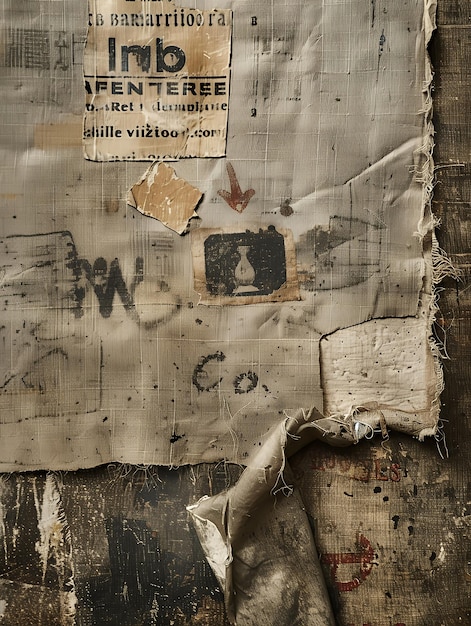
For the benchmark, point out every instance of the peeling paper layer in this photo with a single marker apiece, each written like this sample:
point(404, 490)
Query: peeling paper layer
point(164, 196)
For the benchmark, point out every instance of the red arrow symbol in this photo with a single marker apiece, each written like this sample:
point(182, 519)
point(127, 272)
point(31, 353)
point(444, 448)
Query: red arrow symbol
point(236, 199)
point(364, 557)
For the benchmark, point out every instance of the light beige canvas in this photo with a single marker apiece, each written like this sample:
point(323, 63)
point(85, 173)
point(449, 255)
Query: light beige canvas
point(302, 236)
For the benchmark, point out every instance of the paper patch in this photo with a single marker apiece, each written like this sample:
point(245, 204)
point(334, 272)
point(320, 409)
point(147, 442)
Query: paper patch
point(156, 81)
point(385, 365)
point(162, 195)
point(57, 136)
point(244, 267)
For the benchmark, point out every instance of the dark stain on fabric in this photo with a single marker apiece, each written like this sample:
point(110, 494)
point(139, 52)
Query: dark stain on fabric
point(344, 253)
point(148, 584)
point(285, 208)
point(174, 438)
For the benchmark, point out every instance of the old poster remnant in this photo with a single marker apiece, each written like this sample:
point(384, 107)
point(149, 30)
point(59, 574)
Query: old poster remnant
point(156, 81)
point(245, 267)
point(164, 196)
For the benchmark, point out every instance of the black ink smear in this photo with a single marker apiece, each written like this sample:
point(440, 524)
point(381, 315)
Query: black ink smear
point(174, 438)
point(106, 282)
point(199, 371)
point(245, 382)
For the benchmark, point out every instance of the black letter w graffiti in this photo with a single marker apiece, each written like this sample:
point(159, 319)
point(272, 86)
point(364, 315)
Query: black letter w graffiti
point(106, 282)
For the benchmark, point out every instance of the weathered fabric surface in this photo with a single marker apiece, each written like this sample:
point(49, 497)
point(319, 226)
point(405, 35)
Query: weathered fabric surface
point(123, 340)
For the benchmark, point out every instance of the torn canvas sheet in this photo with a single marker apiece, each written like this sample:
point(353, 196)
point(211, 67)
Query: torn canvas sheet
point(120, 339)
point(239, 529)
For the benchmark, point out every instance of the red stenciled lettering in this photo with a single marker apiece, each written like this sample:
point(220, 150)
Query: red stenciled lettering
point(380, 472)
point(364, 472)
point(395, 473)
point(361, 471)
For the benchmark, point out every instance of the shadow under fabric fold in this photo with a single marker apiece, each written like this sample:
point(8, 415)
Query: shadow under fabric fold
point(259, 543)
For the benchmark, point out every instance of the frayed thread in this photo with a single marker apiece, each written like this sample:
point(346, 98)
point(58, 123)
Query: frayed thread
point(441, 265)
point(147, 475)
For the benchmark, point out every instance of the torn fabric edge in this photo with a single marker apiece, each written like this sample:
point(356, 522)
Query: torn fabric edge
point(225, 523)
point(441, 265)
point(438, 264)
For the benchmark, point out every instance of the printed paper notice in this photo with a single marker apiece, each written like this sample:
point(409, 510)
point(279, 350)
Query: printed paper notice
point(156, 78)
point(244, 266)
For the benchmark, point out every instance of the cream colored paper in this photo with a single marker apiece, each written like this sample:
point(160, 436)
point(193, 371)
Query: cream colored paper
point(108, 352)
point(157, 80)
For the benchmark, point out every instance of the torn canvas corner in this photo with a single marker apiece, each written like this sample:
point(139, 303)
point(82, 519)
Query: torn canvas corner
point(383, 371)
point(161, 194)
point(256, 539)
point(253, 549)
point(256, 536)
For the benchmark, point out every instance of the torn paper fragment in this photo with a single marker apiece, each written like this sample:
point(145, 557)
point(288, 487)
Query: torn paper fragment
point(156, 81)
point(244, 266)
point(162, 195)
point(382, 370)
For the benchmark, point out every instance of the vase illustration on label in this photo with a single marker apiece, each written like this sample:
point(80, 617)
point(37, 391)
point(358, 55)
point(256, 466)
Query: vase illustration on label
point(244, 273)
